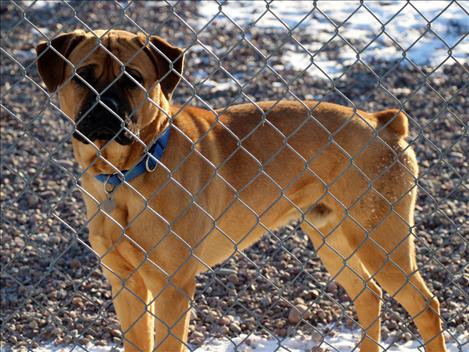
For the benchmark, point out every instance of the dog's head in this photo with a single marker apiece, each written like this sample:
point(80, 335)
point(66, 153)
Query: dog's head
point(115, 86)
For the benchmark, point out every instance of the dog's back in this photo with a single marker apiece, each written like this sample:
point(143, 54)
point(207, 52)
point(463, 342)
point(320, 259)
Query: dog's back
point(298, 153)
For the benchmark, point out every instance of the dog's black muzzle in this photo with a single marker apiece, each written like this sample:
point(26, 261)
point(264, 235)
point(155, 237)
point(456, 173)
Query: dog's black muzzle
point(96, 121)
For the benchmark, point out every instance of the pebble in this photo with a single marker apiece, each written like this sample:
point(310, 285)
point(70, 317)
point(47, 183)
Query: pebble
point(197, 336)
point(32, 200)
point(234, 327)
point(116, 333)
point(224, 320)
point(298, 313)
point(233, 279)
point(227, 271)
point(75, 263)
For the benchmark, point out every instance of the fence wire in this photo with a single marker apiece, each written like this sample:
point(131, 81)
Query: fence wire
point(268, 294)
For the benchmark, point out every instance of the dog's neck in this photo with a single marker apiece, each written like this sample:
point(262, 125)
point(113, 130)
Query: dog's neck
point(148, 163)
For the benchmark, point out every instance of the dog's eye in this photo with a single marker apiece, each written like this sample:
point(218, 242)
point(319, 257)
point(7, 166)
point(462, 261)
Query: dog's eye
point(84, 74)
point(135, 75)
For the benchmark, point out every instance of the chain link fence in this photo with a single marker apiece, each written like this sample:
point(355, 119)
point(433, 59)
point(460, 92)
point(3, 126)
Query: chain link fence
point(275, 295)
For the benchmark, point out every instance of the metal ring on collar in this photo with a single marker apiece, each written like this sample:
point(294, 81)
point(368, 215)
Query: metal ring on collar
point(148, 167)
point(106, 183)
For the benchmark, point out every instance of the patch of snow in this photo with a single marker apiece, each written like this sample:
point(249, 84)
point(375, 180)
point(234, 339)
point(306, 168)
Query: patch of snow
point(419, 32)
point(39, 4)
point(345, 341)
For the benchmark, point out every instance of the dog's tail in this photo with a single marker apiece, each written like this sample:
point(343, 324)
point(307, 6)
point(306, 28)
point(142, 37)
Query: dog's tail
point(395, 121)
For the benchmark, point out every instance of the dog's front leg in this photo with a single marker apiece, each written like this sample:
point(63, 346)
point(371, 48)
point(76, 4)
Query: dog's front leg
point(172, 314)
point(131, 298)
point(131, 301)
point(172, 295)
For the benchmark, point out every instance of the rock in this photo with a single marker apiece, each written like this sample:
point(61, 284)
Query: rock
point(116, 333)
point(234, 327)
point(78, 302)
point(75, 264)
point(319, 349)
point(197, 336)
point(224, 320)
point(227, 271)
point(233, 279)
point(32, 200)
point(298, 313)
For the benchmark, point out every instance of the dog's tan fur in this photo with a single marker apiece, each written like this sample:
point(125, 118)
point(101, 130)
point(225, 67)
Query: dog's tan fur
point(226, 179)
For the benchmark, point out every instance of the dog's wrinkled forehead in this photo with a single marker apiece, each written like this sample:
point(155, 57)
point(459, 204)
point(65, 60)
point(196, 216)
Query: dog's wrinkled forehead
point(110, 52)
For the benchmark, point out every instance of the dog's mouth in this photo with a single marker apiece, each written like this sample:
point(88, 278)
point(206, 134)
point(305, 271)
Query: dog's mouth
point(109, 119)
point(121, 135)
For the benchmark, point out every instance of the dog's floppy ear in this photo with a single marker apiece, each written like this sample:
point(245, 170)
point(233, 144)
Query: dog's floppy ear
point(50, 64)
point(169, 61)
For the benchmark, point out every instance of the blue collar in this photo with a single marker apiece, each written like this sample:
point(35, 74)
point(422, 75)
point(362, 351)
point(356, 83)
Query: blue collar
point(148, 163)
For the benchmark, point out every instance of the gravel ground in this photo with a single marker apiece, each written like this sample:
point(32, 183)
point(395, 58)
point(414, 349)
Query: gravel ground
point(52, 289)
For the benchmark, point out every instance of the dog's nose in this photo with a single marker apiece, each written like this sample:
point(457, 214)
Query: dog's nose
point(105, 120)
point(111, 103)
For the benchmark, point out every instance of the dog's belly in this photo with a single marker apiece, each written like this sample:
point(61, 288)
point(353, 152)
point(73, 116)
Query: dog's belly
point(200, 240)
point(219, 222)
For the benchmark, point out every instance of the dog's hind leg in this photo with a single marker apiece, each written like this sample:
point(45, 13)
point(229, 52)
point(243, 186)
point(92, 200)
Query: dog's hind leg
point(341, 261)
point(389, 256)
point(408, 288)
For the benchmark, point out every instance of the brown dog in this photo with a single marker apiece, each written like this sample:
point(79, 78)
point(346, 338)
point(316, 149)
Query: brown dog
point(224, 179)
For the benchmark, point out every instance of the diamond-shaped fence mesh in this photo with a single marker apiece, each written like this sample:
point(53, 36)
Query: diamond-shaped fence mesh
point(284, 224)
